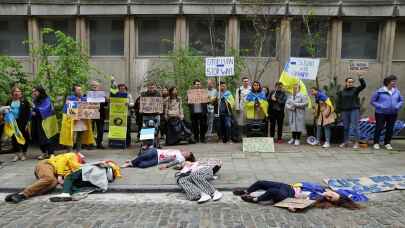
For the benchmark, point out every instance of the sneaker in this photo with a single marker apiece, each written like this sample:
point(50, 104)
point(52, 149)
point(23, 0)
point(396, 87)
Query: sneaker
point(326, 145)
point(23, 157)
point(16, 158)
point(79, 196)
point(356, 146)
point(204, 198)
point(343, 145)
point(249, 199)
point(217, 195)
point(239, 192)
point(63, 197)
point(388, 146)
point(16, 198)
point(297, 142)
point(280, 141)
point(100, 147)
point(43, 156)
point(376, 146)
point(291, 141)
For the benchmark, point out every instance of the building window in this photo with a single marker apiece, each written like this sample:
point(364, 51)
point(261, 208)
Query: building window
point(399, 50)
point(312, 43)
point(106, 37)
point(13, 33)
point(360, 40)
point(67, 26)
point(156, 36)
point(207, 37)
point(259, 41)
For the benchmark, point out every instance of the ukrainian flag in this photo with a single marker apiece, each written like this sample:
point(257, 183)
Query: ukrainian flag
point(321, 96)
point(250, 102)
point(11, 128)
point(229, 99)
point(290, 80)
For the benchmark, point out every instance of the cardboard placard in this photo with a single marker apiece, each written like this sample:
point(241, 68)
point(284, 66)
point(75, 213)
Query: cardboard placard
point(117, 128)
point(96, 96)
point(358, 68)
point(295, 203)
point(151, 105)
point(258, 144)
point(83, 110)
point(197, 96)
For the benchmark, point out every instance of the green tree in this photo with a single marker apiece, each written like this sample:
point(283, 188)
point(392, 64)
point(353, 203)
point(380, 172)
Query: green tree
point(12, 74)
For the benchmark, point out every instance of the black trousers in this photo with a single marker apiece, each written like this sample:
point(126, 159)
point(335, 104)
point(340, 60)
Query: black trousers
point(276, 118)
point(199, 126)
point(129, 124)
point(100, 131)
point(296, 135)
point(387, 121)
point(275, 191)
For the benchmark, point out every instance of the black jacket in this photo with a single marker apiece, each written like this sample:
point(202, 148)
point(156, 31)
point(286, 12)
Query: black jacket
point(348, 98)
point(279, 104)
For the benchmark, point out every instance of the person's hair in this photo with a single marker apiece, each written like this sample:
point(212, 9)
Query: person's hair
point(195, 81)
point(222, 83)
point(74, 87)
point(216, 168)
point(260, 86)
point(278, 84)
point(389, 79)
point(14, 89)
point(42, 93)
point(171, 92)
point(150, 83)
point(243, 78)
point(122, 85)
point(348, 78)
point(191, 157)
point(314, 88)
point(343, 201)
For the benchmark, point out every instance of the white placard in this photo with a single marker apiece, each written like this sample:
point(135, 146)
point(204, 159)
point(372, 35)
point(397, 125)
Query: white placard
point(96, 96)
point(219, 66)
point(303, 68)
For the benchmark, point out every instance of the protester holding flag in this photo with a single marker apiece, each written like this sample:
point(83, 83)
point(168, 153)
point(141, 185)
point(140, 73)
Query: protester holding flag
point(20, 109)
point(348, 102)
point(44, 124)
point(324, 114)
point(256, 105)
point(387, 102)
point(296, 105)
point(226, 105)
point(74, 133)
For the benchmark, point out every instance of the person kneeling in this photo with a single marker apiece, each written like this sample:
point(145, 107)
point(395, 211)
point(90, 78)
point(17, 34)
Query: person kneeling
point(49, 173)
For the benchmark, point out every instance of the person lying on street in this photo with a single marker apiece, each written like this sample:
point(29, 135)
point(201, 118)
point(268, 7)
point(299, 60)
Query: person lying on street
point(50, 173)
point(166, 158)
point(325, 197)
point(194, 179)
point(96, 175)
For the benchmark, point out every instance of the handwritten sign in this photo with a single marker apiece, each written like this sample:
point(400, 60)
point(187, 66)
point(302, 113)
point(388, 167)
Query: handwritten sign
point(197, 96)
point(96, 96)
point(295, 203)
point(303, 68)
point(370, 184)
point(117, 128)
point(151, 105)
point(219, 66)
point(258, 144)
point(83, 110)
point(358, 68)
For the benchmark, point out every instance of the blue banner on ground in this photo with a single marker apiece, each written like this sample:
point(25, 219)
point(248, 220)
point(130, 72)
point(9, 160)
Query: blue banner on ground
point(372, 184)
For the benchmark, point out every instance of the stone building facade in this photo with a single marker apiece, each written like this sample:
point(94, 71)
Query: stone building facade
point(124, 37)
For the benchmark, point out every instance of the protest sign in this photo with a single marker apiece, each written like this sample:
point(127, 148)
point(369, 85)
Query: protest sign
point(96, 96)
point(197, 96)
point(295, 203)
point(118, 118)
point(219, 66)
point(303, 68)
point(358, 68)
point(79, 110)
point(370, 184)
point(258, 144)
point(151, 105)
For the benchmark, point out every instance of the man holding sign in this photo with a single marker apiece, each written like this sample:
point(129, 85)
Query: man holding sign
point(197, 98)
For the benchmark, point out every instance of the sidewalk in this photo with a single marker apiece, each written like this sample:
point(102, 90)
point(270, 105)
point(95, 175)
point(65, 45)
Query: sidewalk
point(289, 164)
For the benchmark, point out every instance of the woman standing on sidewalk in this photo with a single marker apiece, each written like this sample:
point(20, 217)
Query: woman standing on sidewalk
point(387, 102)
point(296, 105)
point(194, 179)
point(348, 102)
point(21, 110)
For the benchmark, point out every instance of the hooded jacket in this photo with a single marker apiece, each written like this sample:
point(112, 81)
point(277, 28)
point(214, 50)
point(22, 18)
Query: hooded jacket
point(386, 103)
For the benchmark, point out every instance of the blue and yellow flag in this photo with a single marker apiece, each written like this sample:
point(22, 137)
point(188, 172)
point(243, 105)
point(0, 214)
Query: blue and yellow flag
point(229, 98)
point(290, 80)
point(250, 102)
point(11, 128)
point(321, 96)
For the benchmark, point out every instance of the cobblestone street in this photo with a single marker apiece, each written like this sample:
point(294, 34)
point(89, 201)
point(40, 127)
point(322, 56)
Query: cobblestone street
point(172, 210)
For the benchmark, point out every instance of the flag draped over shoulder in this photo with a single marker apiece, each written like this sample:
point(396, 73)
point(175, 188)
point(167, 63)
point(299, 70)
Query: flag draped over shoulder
point(11, 128)
point(321, 96)
point(251, 99)
point(290, 80)
point(228, 98)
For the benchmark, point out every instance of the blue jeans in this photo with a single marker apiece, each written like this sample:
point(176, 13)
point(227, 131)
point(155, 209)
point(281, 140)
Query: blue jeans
point(327, 133)
point(351, 122)
point(226, 126)
point(148, 159)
